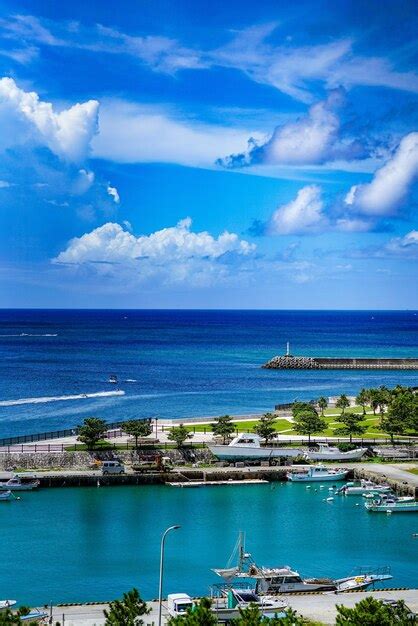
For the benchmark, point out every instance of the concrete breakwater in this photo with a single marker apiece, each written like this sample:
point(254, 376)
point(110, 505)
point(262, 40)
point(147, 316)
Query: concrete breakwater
point(288, 361)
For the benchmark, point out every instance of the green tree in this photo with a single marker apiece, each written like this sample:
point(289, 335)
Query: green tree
point(223, 426)
point(322, 404)
point(309, 423)
point(200, 615)
point(297, 407)
point(266, 427)
point(137, 429)
point(9, 617)
point(342, 403)
point(179, 434)
point(92, 431)
point(363, 398)
point(252, 616)
point(126, 612)
point(374, 399)
point(383, 397)
point(404, 407)
point(352, 425)
point(372, 612)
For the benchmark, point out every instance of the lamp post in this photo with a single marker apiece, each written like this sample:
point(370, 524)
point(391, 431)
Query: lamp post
point(160, 588)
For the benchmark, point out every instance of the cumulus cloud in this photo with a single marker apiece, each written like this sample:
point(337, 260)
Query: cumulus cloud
point(304, 214)
point(113, 193)
point(25, 117)
point(176, 254)
point(404, 246)
point(312, 139)
point(391, 183)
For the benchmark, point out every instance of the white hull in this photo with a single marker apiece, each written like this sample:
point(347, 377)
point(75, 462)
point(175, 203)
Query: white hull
point(360, 491)
point(395, 507)
point(232, 453)
point(353, 455)
point(301, 478)
point(6, 604)
point(23, 487)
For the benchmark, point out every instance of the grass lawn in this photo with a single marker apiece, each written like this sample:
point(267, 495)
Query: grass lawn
point(413, 471)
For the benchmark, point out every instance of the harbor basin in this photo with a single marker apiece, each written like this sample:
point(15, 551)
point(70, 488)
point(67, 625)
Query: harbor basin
point(85, 544)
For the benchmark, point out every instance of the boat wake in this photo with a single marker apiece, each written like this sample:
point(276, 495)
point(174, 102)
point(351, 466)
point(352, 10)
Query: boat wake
point(32, 335)
point(79, 396)
point(130, 380)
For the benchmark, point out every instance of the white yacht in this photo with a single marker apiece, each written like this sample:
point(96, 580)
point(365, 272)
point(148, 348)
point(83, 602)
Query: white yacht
point(362, 487)
point(325, 452)
point(248, 446)
point(316, 473)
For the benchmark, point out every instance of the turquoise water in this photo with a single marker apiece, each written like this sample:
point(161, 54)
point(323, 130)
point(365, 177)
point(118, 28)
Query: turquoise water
point(65, 545)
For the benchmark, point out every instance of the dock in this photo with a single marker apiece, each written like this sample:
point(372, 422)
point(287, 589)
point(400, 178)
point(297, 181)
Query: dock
point(314, 606)
point(217, 483)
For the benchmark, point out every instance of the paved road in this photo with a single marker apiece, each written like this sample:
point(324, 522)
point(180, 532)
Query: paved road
point(319, 607)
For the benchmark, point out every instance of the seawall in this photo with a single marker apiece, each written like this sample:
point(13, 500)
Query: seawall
point(359, 363)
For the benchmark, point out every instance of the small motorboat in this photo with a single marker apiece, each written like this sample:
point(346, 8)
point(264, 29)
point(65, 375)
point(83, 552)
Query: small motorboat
point(17, 484)
point(6, 604)
point(5, 496)
point(324, 452)
point(391, 505)
point(113, 379)
point(229, 605)
point(34, 615)
point(316, 473)
point(362, 487)
point(248, 446)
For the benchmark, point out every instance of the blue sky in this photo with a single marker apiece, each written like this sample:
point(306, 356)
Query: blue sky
point(208, 155)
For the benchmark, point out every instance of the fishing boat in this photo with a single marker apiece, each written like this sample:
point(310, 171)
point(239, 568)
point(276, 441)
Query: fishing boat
point(325, 452)
point(6, 604)
point(316, 473)
point(362, 487)
point(391, 505)
point(17, 484)
point(248, 446)
point(389, 497)
point(231, 601)
point(5, 496)
point(284, 580)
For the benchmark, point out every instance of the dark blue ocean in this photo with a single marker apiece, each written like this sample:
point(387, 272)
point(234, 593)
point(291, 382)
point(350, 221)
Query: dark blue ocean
point(182, 363)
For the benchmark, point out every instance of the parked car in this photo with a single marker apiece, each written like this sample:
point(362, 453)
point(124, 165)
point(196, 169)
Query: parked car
point(113, 467)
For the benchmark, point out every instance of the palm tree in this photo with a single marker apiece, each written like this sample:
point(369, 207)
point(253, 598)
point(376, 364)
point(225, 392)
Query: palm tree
point(342, 403)
point(322, 404)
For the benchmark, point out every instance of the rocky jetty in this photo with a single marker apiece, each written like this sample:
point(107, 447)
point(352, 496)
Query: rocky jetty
point(289, 361)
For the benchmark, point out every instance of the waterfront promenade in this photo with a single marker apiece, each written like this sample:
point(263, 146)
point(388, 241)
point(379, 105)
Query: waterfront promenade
point(317, 607)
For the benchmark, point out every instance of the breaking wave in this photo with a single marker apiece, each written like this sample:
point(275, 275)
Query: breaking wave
point(32, 335)
point(78, 396)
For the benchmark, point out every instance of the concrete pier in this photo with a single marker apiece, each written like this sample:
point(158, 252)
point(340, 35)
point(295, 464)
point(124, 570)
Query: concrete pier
point(288, 361)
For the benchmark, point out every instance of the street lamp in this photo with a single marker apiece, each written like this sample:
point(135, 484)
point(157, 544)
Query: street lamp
point(160, 588)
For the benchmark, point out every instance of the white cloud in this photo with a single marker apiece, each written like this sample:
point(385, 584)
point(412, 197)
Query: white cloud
point(391, 183)
point(25, 117)
point(404, 246)
point(353, 225)
point(304, 214)
point(312, 139)
point(174, 254)
point(113, 193)
point(290, 69)
point(4, 184)
point(131, 133)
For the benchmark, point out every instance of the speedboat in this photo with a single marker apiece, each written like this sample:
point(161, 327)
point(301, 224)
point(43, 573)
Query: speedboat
point(362, 487)
point(316, 473)
point(113, 379)
point(324, 452)
point(248, 446)
point(6, 604)
point(17, 484)
point(5, 496)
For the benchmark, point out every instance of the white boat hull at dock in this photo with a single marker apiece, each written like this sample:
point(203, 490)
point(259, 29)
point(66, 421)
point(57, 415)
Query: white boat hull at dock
point(248, 446)
point(329, 453)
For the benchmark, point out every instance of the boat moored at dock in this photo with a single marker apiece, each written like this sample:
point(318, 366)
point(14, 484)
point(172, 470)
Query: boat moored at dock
point(383, 504)
point(362, 487)
point(5, 496)
point(248, 446)
point(316, 473)
point(17, 484)
point(6, 604)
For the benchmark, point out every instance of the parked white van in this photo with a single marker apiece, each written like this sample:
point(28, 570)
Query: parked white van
point(113, 467)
